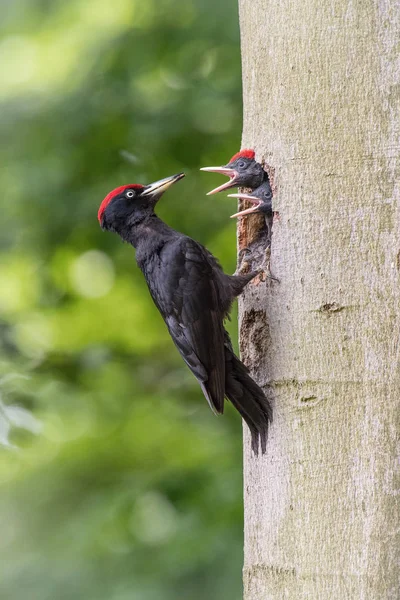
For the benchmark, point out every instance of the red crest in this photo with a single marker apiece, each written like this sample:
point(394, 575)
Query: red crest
point(114, 193)
point(243, 154)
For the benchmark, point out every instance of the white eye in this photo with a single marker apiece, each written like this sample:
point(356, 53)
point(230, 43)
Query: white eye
point(129, 194)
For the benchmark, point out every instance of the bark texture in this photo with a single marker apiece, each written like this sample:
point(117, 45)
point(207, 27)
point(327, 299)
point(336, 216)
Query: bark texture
point(321, 108)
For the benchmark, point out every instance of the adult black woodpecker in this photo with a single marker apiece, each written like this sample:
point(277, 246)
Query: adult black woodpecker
point(193, 295)
point(261, 198)
point(243, 171)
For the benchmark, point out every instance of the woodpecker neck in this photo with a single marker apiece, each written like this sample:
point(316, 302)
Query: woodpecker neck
point(150, 232)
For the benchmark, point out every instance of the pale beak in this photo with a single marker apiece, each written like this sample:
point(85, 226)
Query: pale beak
point(157, 188)
point(248, 211)
point(231, 173)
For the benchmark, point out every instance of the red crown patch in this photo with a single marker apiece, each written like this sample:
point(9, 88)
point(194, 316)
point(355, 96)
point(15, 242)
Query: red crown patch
point(243, 154)
point(113, 193)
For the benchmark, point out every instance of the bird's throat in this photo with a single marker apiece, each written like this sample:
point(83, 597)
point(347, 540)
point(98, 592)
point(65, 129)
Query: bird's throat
point(150, 233)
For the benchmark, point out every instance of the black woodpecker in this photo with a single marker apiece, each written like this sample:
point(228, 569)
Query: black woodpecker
point(194, 296)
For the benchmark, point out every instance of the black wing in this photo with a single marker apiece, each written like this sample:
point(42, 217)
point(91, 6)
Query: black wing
point(183, 282)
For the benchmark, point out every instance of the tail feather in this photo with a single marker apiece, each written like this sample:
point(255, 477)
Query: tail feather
point(248, 399)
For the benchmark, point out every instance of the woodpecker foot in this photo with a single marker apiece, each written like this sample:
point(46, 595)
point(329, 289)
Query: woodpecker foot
point(267, 274)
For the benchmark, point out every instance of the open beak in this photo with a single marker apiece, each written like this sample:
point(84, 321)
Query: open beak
point(155, 190)
point(248, 211)
point(231, 173)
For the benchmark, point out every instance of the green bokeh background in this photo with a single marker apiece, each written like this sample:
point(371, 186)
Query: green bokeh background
point(116, 481)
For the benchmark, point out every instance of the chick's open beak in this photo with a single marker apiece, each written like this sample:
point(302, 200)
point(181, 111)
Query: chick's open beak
point(231, 173)
point(247, 211)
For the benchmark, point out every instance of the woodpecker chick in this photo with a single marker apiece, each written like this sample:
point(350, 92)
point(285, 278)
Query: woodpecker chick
point(243, 171)
point(261, 199)
point(194, 296)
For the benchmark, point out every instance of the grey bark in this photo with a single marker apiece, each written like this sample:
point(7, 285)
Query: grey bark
point(321, 108)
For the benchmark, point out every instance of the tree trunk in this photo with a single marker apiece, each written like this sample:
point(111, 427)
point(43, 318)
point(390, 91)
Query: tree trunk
point(321, 108)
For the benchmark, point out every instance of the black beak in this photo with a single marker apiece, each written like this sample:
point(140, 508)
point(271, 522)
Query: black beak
point(155, 190)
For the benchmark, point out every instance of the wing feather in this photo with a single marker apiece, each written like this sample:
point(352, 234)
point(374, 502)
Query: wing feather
point(186, 292)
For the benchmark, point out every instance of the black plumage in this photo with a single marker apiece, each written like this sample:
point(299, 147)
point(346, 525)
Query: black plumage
point(194, 296)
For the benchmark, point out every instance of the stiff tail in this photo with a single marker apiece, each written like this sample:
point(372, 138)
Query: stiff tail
point(248, 399)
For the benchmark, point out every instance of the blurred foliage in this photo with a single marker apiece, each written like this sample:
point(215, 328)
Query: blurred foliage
point(116, 480)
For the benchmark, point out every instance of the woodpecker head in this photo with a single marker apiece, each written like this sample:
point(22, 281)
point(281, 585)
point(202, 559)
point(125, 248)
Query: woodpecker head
point(261, 200)
point(130, 204)
point(242, 170)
